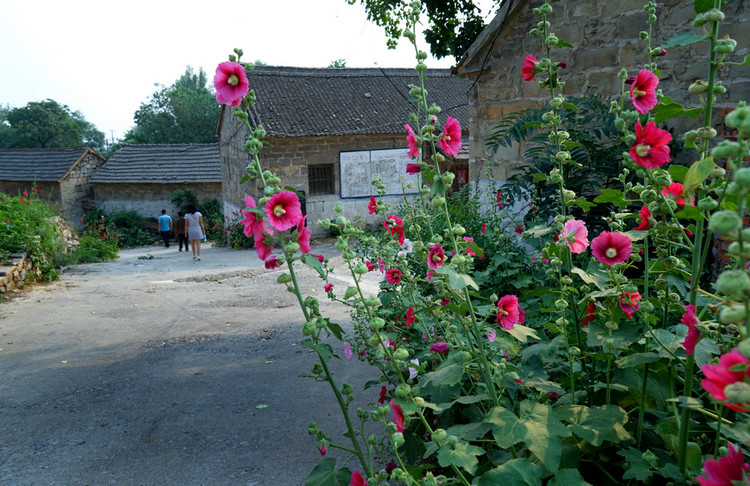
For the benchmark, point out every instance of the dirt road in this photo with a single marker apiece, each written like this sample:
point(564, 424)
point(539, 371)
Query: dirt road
point(164, 371)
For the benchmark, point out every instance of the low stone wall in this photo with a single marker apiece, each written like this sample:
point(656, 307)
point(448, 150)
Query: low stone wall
point(14, 272)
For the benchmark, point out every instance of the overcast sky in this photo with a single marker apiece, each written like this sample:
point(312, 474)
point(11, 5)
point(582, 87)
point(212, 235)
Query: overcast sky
point(102, 58)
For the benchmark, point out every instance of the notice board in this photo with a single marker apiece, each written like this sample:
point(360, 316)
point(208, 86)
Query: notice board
point(358, 168)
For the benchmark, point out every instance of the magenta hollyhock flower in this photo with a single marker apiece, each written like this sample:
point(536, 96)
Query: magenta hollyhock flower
point(643, 91)
point(728, 470)
point(347, 350)
point(529, 65)
point(373, 206)
point(371, 266)
point(382, 397)
point(693, 335)
point(395, 225)
point(644, 225)
point(410, 316)
point(283, 210)
point(491, 335)
point(322, 449)
point(263, 244)
point(320, 258)
point(303, 235)
point(629, 303)
point(435, 256)
point(393, 276)
point(413, 169)
point(733, 367)
point(441, 347)
point(450, 140)
point(398, 416)
point(590, 314)
point(328, 287)
point(230, 83)
point(508, 311)
point(381, 265)
point(411, 138)
point(576, 235)
point(675, 190)
point(651, 148)
point(611, 247)
point(357, 479)
point(252, 222)
point(272, 263)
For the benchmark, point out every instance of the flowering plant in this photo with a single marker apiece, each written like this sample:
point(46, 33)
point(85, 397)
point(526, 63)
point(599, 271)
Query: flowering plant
point(586, 374)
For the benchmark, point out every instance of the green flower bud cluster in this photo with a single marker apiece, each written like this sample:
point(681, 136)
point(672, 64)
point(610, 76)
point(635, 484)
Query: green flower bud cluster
point(734, 283)
point(740, 119)
point(725, 222)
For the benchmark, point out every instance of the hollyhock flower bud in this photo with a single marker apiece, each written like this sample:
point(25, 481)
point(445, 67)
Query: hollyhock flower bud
point(724, 222)
point(732, 314)
point(441, 347)
point(744, 347)
point(713, 15)
point(377, 323)
point(733, 283)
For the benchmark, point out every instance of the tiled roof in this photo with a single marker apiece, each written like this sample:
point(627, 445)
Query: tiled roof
point(162, 164)
point(43, 165)
point(298, 102)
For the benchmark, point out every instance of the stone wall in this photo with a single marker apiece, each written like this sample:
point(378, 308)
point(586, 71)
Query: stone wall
point(77, 193)
point(149, 199)
point(48, 192)
point(604, 34)
point(14, 272)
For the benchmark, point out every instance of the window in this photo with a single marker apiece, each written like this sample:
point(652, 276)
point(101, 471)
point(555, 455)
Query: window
point(320, 179)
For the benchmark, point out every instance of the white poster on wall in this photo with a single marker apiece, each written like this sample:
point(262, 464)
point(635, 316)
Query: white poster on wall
point(357, 169)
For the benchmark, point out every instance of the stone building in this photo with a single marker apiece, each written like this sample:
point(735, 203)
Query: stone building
point(142, 178)
point(605, 38)
point(329, 131)
point(61, 176)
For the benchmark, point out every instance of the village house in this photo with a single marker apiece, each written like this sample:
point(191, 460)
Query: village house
point(143, 178)
point(60, 176)
point(330, 131)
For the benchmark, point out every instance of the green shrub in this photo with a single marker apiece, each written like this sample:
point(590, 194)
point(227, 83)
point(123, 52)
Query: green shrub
point(213, 219)
point(233, 234)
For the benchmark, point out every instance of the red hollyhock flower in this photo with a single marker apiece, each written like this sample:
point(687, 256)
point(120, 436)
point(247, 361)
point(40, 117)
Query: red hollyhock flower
point(562, 65)
point(435, 256)
point(393, 276)
point(643, 91)
point(230, 83)
point(644, 225)
point(611, 247)
point(411, 138)
point(322, 449)
point(412, 169)
point(590, 314)
point(733, 367)
point(651, 148)
point(303, 235)
point(410, 316)
point(693, 335)
point(283, 210)
point(357, 479)
point(320, 258)
point(450, 140)
point(328, 287)
point(519, 229)
point(675, 190)
point(508, 311)
point(629, 303)
point(726, 471)
point(383, 392)
point(371, 266)
point(373, 206)
point(441, 347)
point(395, 225)
point(398, 416)
point(272, 263)
point(529, 65)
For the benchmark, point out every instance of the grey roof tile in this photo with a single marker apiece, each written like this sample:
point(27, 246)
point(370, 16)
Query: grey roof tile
point(43, 165)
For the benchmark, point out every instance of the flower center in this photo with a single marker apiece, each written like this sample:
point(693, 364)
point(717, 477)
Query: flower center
point(502, 311)
point(279, 211)
point(233, 80)
point(642, 149)
point(611, 252)
point(639, 92)
point(437, 258)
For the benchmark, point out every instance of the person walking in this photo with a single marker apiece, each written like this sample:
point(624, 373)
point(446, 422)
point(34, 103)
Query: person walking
point(165, 227)
point(194, 230)
point(180, 227)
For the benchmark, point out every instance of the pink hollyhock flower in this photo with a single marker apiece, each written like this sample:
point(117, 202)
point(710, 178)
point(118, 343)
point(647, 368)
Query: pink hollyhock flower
point(410, 316)
point(398, 416)
point(393, 276)
point(441, 347)
point(272, 263)
point(484, 227)
point(590, 314)
point(529, 65)
point(283, 210)
point(320, 258)
point(263, 245)
point(644, 225)
point(435, 256)
point(395, 225)
point(450, 140)
point(733, 368)
point(430, 276)
point(328, 287)
point(382, 397)
point(413, 169)
point(729, 470)
point(521, 316)
point(322, 449)
point(347, 350)
point(675, 190)
point(643, 91)
point(252, 222)
point(303, 235)
point(491, 335)
point(576, 235)
point(373, 206)
point(508, 311)
point(693, 335)
point(371, 266)
point(230, 83)
point(357, 479)
point(611, 247)
point(411, 138)
point(651, 148)
point(444, 301)
point(629, 303)
point(381, 265)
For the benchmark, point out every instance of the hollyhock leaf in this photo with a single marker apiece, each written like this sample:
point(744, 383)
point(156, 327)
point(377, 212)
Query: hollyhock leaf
point(683, 39)
point(325, 473)
point(446, 374)
point(678, 173)
point(350, 292)
point(523, 333)
point(600, 280)
point(613, 196)
point(582, 203)
point(537, 178)
point(458, 281)
point(463, 455)
point(516, 472)
point(335, 329)
point(633, 360)
point(311, 261)
point(595, 424)
point(696, 175)
point(669, 109)
point(638, 468)
point(705, 351)
point(689, 212)
point(470, 431)
point(538, 231)
point(701, 6)
point(568, 477)
point(562, 43)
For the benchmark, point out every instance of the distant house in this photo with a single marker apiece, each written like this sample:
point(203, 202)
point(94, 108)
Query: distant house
point(61, 176)
point(330, 131)
point(142, 178)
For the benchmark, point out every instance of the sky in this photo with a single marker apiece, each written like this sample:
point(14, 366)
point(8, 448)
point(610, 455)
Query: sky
point(103, 58)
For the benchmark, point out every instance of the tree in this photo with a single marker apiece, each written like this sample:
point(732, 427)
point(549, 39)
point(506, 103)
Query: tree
point(186, 112)
point(453, 25)
point(47, 124)
point(338, 64)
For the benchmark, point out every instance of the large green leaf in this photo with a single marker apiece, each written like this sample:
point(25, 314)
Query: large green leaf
point(667, 108)
point(637, 467)
point(458, 281)
point(595, 424)
point(446, 374)
point(326, 474)
point(516, 472)
point(568, 477)
point(683, 39)
point(523, 333)
point(535, 425)
point(635, 359)
point(463, 455)
point(613, 196)
point(697, 174)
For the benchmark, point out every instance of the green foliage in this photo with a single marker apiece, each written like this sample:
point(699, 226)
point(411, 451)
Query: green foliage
point(133, 229)
point(233, 234)
point(182, 199)
point(213, 219)
point(185, 112)
point(337, 64)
